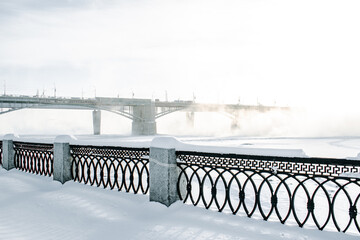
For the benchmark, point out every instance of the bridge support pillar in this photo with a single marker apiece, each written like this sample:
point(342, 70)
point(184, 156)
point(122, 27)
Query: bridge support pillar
point(190, 118)
point(234, 125)
point(96, 121)
point(235, 121)
point(144, 119)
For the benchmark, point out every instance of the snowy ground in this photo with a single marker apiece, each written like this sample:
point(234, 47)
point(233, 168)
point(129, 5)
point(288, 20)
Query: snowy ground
point(35, 207)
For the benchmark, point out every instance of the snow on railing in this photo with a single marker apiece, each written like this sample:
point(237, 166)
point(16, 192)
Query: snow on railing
point(275, 185)
point(1, 150)
point(306, 191)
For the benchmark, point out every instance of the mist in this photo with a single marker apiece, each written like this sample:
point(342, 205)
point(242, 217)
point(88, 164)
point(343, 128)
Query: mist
point(298, 54)
point(297, 122)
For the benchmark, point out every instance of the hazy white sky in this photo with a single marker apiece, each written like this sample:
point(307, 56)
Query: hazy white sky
point(294, 52)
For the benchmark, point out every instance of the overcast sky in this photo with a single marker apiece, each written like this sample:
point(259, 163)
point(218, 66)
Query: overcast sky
point(292, 52)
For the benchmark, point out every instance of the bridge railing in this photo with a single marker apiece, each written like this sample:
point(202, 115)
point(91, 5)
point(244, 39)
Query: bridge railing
point(1, 150)
point(320, 193)
point(125, 169)
point(121, 168)
point(34, 158)
point(316, 192)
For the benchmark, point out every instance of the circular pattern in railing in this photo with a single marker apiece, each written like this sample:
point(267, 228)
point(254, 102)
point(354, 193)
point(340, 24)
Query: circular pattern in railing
point(34, 158)
point(1, 150)
point(115, 168)
point(324, 202)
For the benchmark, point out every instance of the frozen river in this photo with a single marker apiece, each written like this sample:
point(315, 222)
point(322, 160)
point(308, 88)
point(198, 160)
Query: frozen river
point(332, 147)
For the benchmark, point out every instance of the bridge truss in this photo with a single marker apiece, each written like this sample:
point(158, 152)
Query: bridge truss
point(143, 112)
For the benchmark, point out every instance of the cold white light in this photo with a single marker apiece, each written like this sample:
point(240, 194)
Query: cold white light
point(289, 52)
point(296, 53)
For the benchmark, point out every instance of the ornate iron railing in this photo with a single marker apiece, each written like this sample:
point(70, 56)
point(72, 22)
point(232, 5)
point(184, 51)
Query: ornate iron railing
point(126, 169)
point(1, 150)
point(314, 192)
point(34, 158)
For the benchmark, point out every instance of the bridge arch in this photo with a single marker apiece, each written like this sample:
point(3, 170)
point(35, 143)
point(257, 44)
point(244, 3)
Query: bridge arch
point(142, 112)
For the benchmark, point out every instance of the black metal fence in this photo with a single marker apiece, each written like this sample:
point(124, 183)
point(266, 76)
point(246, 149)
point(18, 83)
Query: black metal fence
point(126, 169)
point(1, 150)
point(34, 158)
point(313, 192)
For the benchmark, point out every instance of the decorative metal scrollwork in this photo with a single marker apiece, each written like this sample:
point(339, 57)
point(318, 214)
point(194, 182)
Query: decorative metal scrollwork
point(34, 158)
point(126, 169)
point(308, 193)
point(1, 150)
point(309, 166)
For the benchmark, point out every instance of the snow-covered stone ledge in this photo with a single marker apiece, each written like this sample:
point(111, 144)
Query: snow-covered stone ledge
point(163, 142)
point(173, 143)
point(8, 151)
point(163, 170)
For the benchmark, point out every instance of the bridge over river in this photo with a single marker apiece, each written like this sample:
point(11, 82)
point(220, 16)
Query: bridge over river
point(142, 112)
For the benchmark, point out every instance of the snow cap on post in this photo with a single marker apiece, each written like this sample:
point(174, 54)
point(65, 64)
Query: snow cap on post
point(165, 142)
point(163, 170)
point(8, 152)
point(64, 138)
point(10, 137)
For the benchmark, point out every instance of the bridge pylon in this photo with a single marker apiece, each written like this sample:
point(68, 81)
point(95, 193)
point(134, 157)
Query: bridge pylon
point(141, 111)
point(190, 118)
point(144, 119)
point(235, 120)
point(96, 121)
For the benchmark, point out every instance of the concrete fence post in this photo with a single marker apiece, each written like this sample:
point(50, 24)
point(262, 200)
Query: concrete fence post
point(8, 161)
point(62, 159)
point(96, 122)
point(163, 171)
